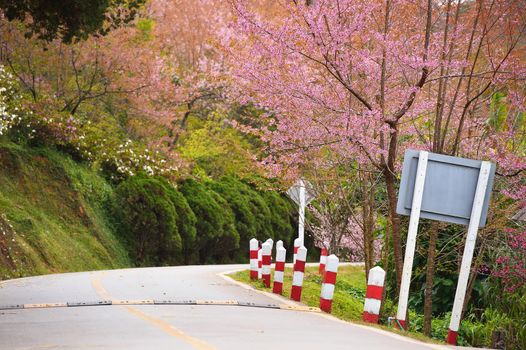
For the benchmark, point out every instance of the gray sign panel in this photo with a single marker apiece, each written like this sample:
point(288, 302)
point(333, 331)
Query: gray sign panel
point(294, 192)
point(449, 188)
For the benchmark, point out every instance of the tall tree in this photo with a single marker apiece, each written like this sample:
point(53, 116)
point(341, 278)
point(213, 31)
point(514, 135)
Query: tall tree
point(361, 78)
point(70, 20)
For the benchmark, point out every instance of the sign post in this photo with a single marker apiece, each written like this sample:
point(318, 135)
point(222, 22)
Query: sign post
point(457, 190)
point(302, 194)
point(411, 238)
point(471, 239)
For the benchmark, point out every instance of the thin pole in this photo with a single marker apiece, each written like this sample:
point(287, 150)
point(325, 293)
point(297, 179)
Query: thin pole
point(411, 237)
point(471, 239)
point(301, 226)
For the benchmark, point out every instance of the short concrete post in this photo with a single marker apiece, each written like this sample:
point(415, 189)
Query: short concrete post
point(253, 259)
point(281, 254)
point(271, 242)
point(260, 263)
point(279, 244)
point(329, 280)
point(373, 295)
point(323, 260)
point(296, 247)
point(266, 251)
point(297, 277)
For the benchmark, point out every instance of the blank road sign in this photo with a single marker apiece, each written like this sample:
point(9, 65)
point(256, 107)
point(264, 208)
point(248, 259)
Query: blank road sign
point(294, 191)
point(449, 188)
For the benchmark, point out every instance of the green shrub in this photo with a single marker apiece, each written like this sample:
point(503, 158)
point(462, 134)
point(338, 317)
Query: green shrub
point(282, 216)
point(147, 220)
point(217, 237)
point(186, 222)
point(235, 194)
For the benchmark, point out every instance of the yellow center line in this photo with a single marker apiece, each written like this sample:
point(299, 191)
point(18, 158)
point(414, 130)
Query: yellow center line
point(96, 282)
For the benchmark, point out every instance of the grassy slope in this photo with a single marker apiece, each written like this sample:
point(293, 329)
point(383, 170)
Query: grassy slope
point(349, 294)
point(52, 216)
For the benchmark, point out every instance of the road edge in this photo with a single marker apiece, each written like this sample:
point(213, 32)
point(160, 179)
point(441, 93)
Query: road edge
point(284, 300)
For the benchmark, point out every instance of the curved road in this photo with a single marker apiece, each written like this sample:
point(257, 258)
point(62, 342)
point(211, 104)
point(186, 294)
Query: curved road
point(170, 326)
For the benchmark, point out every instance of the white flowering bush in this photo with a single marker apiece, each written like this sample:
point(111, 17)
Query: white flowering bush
point(98, 144)
point(10, 111)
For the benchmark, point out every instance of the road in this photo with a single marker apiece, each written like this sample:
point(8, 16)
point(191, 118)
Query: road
point(170, 326)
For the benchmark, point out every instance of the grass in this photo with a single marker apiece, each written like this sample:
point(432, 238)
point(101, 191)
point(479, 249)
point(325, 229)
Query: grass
point(52, 215)
point(349, 295)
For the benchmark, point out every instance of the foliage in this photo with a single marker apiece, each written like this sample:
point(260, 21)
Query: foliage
point(53, 215)
point(10, 101)
point(70, 20)
point(258, 214)
point(186, 222)
point(147, 220)
point(511, 263)
point(217, 237)
point(209, 143)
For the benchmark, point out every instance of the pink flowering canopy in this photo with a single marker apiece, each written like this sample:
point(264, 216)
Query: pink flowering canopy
point(332, 76)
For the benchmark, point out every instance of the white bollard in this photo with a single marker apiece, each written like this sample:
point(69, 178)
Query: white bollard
point(279, 244)
point(266, 254)
point(329, 280)
point(299, 271)
point(323, 260)
point(281, 254)
point(271, 242)
point(296, 247)
point(260, 263)
point(254, 259)
point(373, 295)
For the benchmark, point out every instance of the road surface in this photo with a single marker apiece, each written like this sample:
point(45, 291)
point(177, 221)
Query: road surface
point(171, 327)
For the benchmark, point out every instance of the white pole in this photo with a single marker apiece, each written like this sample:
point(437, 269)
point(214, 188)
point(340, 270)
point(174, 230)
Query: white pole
point(471, 239)
point(411, 237)
point(301, 228)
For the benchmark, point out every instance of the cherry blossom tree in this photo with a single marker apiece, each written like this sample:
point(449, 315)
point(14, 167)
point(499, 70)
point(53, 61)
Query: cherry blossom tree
point(368, 79)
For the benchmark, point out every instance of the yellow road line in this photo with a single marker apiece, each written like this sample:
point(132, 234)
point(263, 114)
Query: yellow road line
point(162, 325)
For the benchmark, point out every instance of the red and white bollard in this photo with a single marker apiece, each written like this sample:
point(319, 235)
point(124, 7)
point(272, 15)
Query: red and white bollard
point(329, 280)
point(373, 295)
point(266, 254)
point(279, 244)
point(253, 259)
point(260, 263)
point(281, 254)
point(299, 271)
point(323, 260)
point(296, 247)
point(271, 242)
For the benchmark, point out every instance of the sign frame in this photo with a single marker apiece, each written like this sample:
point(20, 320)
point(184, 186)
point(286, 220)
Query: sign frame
point(450, 170)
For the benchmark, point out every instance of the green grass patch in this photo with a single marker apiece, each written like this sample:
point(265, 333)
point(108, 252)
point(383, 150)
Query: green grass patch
point(349, 294)
point(53, 215)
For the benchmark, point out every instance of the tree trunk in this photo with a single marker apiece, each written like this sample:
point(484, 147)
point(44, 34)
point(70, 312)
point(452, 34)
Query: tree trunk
point(394, 219)
point(430, 275)
point(368, 221)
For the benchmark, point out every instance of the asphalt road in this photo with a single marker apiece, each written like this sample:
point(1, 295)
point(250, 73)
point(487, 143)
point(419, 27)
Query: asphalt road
point(171, 327)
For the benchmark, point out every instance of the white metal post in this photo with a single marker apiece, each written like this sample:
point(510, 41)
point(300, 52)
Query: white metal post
point(471, 239)
point(301, 226)
point(411, 236)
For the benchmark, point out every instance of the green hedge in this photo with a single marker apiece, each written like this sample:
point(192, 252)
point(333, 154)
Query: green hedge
point(147, 220)
point(198, 222)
